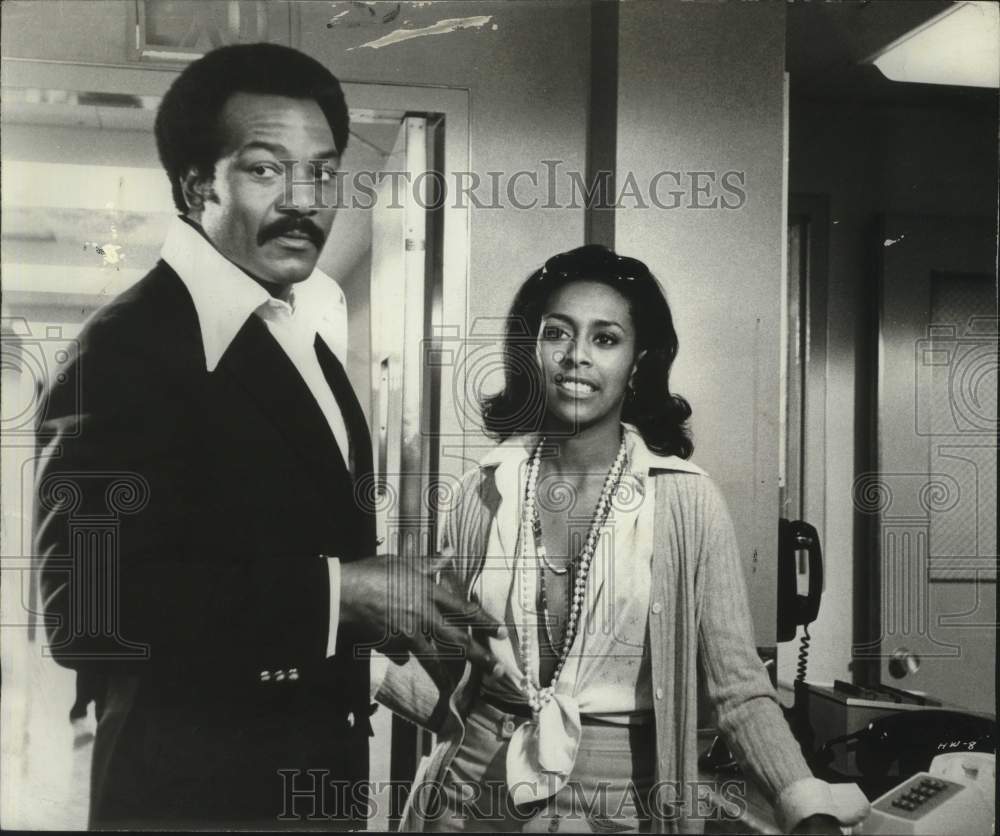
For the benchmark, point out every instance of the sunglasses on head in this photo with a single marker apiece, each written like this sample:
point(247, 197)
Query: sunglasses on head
point(591, 260)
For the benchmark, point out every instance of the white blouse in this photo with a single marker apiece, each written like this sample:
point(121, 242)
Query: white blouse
point(607, 671)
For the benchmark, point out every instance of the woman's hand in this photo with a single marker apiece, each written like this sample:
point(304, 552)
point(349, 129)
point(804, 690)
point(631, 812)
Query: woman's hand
point(820, 825)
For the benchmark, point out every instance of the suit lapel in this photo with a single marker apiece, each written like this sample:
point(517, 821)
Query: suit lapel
point(350, 409)
point(362, 464)
point(276, 387)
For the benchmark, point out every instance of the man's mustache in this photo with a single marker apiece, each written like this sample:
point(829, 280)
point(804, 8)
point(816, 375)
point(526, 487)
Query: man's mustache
point(292, 223)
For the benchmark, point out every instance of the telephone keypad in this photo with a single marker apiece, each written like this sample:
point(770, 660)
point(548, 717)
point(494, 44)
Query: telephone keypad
point(925, 804)
point(918, 796)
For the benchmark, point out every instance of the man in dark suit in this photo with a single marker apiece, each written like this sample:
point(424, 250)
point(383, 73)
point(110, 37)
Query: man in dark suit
point(207, 556)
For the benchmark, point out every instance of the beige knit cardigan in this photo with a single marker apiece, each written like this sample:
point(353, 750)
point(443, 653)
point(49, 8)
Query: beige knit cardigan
point(702, 618)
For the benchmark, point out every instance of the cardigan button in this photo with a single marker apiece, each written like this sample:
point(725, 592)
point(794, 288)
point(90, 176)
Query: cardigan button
point(657, 608)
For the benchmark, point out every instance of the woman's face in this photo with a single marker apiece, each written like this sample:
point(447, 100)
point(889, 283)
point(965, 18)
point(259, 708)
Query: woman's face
point(587, 352)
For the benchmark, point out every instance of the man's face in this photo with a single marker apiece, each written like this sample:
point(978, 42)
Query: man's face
point(245, 212)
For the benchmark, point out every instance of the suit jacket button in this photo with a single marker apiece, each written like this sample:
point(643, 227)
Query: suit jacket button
point(265, 676)
point(279, 676)
point(350, 719)
point(293, 674)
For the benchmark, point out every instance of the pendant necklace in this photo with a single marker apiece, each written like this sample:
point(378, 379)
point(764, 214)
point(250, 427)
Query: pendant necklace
point(538, 696)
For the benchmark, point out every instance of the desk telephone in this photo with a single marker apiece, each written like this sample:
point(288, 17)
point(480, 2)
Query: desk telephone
point(906, 742)
point(928, 771)
point(954, 797)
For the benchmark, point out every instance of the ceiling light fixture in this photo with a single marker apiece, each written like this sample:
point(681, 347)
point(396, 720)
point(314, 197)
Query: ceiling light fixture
point(960, 46)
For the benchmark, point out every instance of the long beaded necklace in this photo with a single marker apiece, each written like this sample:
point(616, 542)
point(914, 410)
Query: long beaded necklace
point(537, 695)
point(536, 530)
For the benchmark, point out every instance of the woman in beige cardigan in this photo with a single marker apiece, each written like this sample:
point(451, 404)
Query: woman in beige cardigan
point(613, 562)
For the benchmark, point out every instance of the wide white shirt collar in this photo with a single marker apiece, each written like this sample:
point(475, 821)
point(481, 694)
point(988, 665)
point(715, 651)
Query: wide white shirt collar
point(225, 297)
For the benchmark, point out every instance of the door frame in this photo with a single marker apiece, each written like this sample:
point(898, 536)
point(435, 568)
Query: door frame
point(808, 287)
point(813, 211)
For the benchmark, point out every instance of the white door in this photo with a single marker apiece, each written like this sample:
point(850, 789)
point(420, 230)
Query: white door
point(401, 442)
point(399, 244)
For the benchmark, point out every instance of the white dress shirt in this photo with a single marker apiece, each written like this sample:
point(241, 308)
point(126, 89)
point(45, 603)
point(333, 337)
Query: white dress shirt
point(225, 297)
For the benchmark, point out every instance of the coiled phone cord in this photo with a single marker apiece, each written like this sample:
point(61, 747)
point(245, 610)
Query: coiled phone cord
point(803, 663)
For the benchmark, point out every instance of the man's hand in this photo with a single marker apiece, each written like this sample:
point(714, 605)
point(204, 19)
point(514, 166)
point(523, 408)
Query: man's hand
point(400, 610)
point(820, 825)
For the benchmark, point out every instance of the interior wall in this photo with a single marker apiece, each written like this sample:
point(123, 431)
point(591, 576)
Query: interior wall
point(527, 70)
point(700, 89)
point(60, 144)
point(68, 30)
point(870, 159)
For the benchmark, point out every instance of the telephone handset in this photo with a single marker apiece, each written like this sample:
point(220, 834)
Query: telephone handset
point(794, 609)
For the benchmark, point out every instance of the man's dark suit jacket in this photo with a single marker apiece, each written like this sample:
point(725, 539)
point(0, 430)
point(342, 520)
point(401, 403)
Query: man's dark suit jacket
point(181, 519)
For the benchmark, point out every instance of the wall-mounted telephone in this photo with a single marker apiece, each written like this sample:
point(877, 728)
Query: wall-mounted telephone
point(794, 538)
